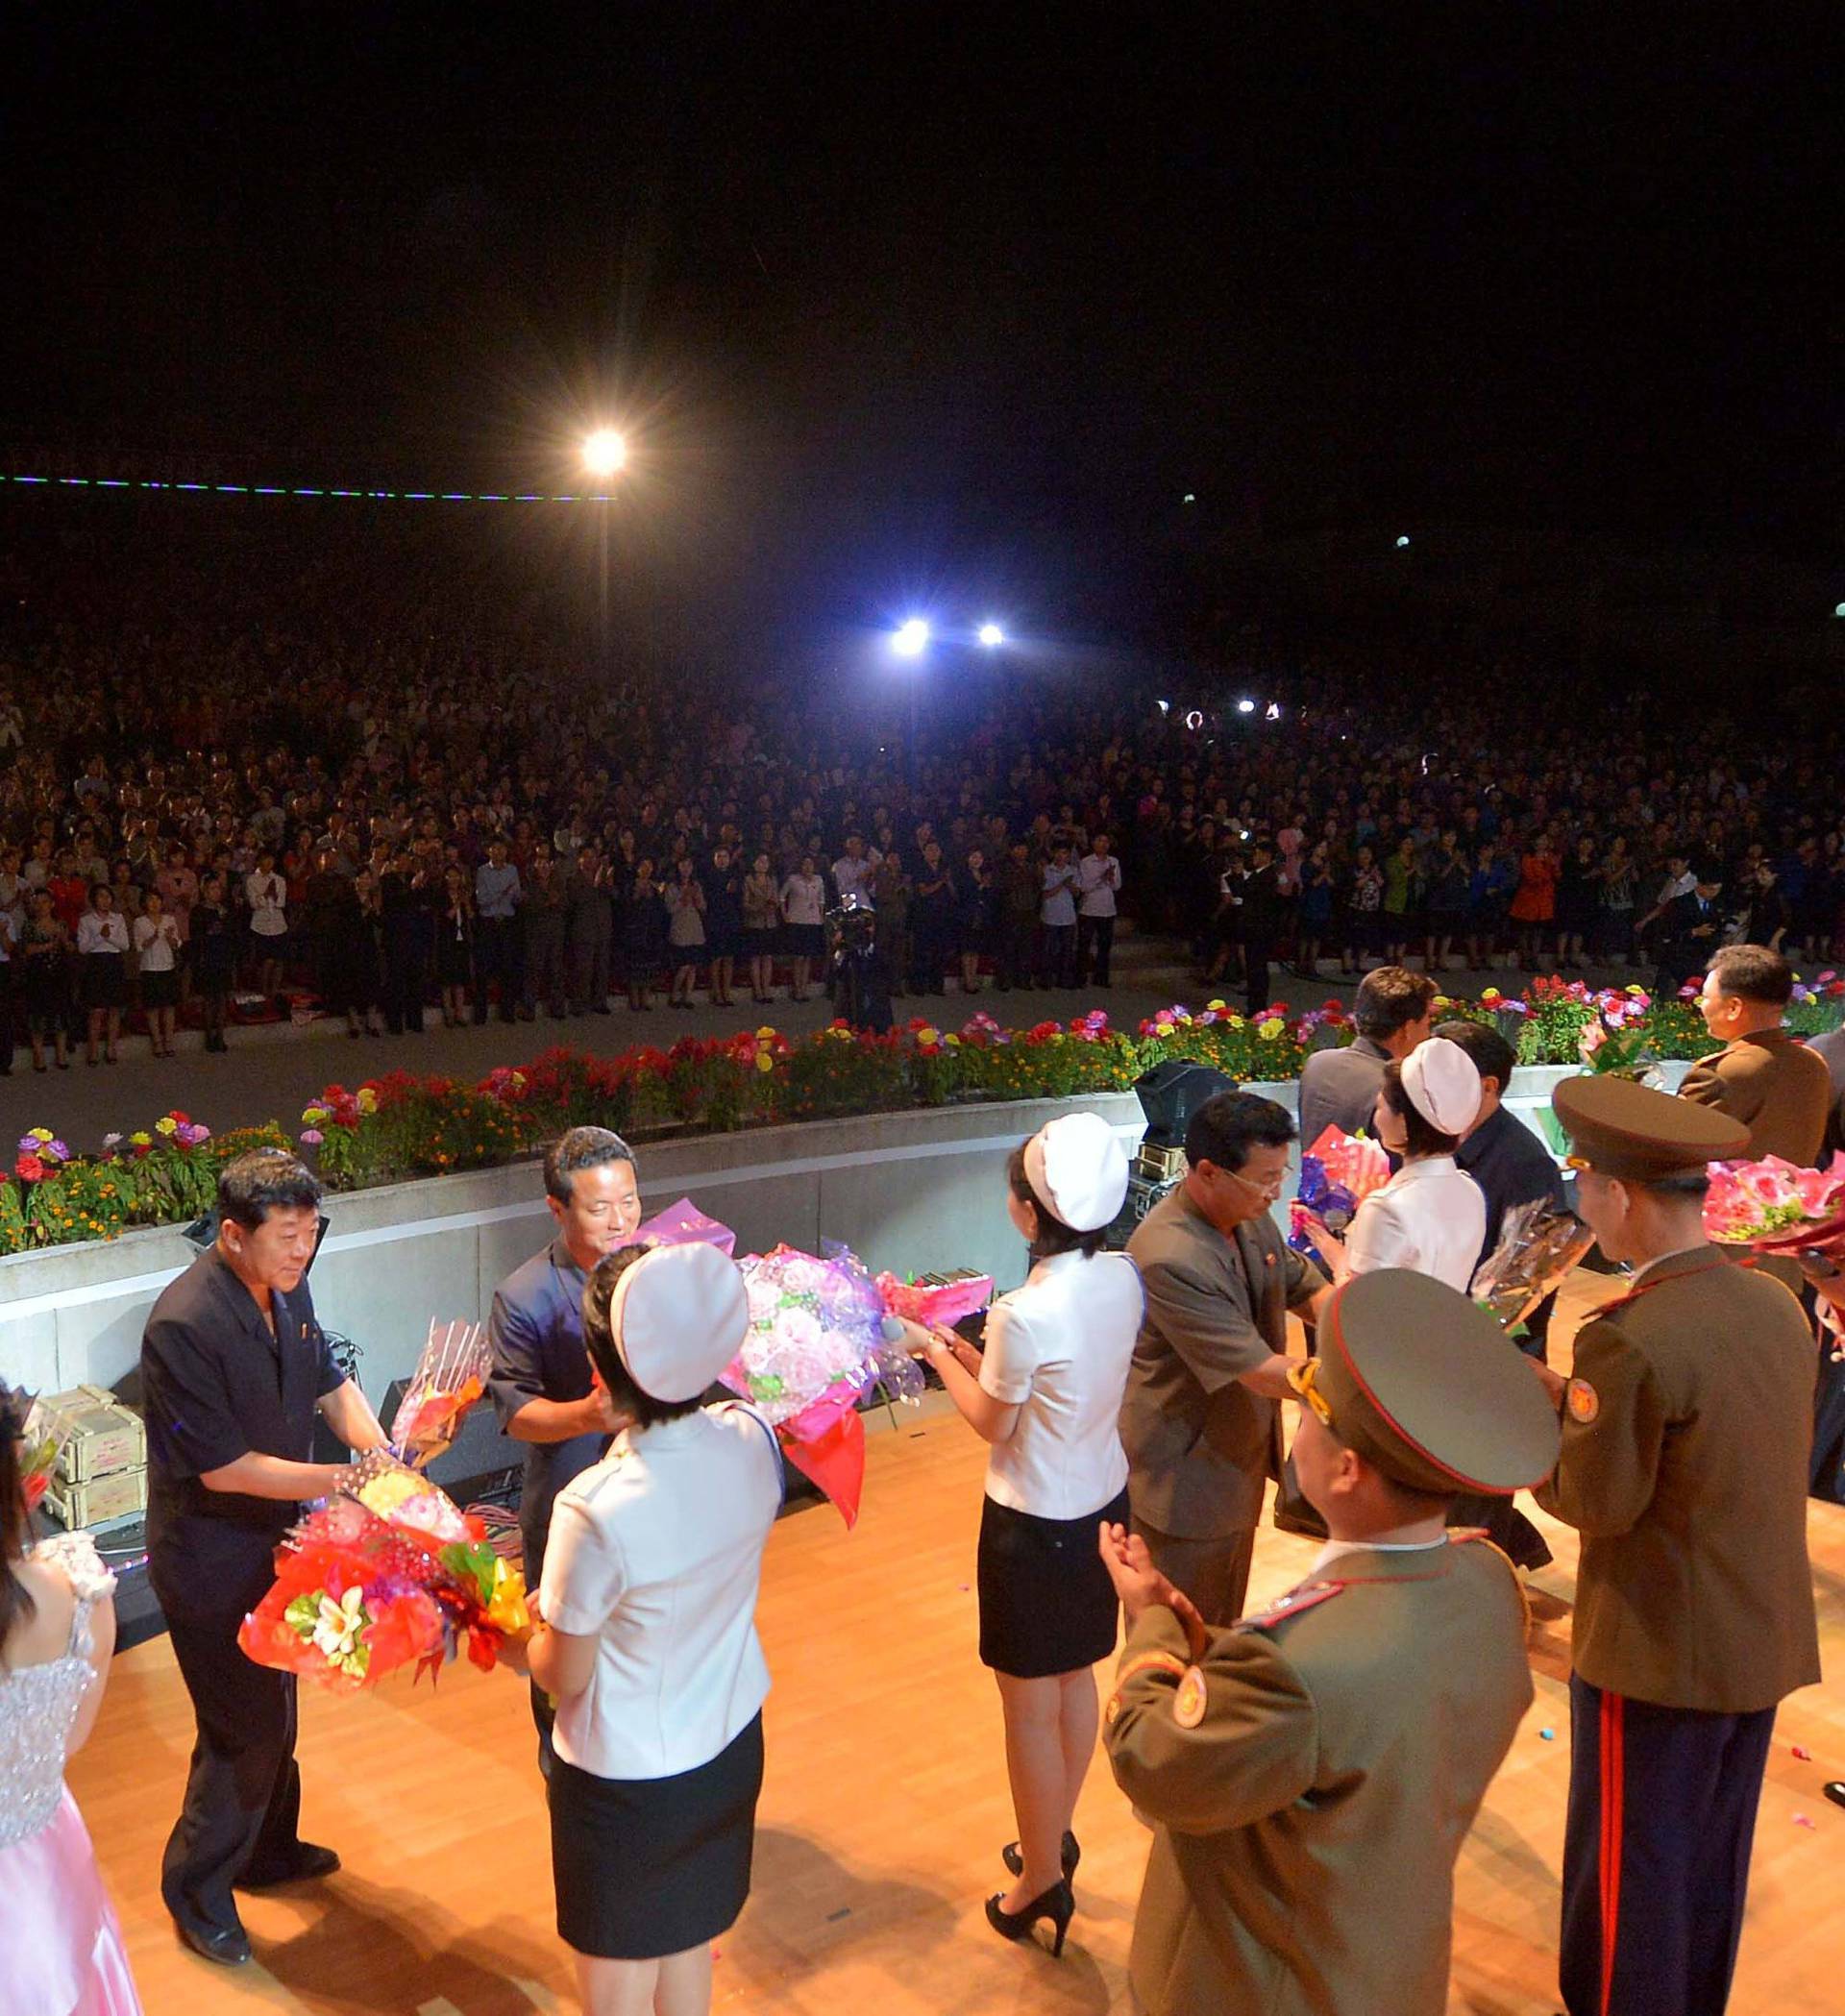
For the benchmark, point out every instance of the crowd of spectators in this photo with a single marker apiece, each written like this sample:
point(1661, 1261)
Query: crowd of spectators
point(232, 795)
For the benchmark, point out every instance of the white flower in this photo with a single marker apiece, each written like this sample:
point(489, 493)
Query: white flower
point(336, 1635)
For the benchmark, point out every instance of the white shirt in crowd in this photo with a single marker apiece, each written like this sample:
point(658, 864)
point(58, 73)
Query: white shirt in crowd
point(803, 900)
point(1099, 877)
point(1058, 1349)
point(1431, 1217)
point(156, 942)
point(853, 879)
point(656, 1553)
point(267, 894)
point(96, 933)
point(1059, 904)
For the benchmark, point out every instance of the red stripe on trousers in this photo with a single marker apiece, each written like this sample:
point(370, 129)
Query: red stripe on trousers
point(1613, 1780)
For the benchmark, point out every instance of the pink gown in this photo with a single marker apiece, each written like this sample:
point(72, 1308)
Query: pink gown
point(59, 1936)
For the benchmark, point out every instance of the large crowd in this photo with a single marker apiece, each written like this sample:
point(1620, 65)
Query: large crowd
point(236, 791)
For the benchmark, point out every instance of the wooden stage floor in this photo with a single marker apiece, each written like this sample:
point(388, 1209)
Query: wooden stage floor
point(882, 1815)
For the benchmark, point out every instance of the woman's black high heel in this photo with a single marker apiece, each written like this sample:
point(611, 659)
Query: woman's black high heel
point(1072, 1853)
point(1056, 1903)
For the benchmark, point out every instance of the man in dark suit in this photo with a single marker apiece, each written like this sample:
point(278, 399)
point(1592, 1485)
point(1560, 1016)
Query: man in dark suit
point(1688, 932)
point(1829, 1050)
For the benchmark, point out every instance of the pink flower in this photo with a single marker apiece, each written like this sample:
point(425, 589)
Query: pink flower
point(312, 1137)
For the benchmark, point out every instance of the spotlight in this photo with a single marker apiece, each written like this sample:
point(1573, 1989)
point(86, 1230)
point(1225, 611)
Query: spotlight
point(1274, 710)
point(1189, 497)
point(992, 635)
point(1840, 609)
point(1166, 706)
point(1195, 721)
point(1402, 539)
point(604, 451)
point(911, 638)
point(1246, 707)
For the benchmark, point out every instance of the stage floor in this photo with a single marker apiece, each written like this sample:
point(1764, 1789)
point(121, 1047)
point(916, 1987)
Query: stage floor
point(882, 1815)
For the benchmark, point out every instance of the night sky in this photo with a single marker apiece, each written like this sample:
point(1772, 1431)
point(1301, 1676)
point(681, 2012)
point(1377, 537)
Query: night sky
point(900, 295)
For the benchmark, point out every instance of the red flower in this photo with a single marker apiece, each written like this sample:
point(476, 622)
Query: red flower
point(28, 1169)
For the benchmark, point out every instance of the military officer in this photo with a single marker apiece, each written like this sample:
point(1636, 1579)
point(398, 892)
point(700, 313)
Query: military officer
point(1289, 1761)
point(1685, 1437)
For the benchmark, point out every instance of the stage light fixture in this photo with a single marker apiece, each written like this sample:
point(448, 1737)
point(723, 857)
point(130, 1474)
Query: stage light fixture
point(1402, 539)
point(992, 635)
point(1246, 707)
point(911, 638)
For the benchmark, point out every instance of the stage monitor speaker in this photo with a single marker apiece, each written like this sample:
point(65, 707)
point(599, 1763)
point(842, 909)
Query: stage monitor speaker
point(1172, 1092)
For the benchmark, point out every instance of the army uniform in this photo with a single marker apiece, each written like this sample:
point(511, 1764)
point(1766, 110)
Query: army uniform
point(1684, 1460)
point(1312, 1772)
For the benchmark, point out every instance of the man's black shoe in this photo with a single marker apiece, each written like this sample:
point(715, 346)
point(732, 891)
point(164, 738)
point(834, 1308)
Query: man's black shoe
point(223, 1945)
point(308, 1865)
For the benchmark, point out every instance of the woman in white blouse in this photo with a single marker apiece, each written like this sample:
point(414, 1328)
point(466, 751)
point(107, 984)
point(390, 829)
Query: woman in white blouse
point(266, 890)
point(1046, 1393)
point(102, 968)
point(1430, 1217)
point(648, 1639)
point(804, 910)
point(157, 945)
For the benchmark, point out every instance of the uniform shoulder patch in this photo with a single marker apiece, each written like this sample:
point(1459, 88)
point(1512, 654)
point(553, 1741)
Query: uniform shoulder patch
point(1583, 1402)
point(1308, 1596)
point(1189, 1704)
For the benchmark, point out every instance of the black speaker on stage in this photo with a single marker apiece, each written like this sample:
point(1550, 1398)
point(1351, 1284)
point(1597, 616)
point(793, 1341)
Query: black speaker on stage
point(1172, 1092)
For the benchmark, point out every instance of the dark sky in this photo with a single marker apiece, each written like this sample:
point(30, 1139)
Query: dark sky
point(901, 293)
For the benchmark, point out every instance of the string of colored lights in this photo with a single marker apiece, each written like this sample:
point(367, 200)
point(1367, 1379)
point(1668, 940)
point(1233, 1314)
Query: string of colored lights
point(125, 482)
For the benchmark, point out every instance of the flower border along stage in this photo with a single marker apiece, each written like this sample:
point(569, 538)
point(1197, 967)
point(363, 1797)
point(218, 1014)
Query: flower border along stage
point(402, 1127)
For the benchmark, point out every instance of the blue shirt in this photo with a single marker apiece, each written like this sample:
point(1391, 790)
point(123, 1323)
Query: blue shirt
point(496, 890)
point(536, 1335)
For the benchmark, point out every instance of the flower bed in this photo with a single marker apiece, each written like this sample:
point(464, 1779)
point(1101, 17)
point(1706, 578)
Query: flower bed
point(403, 1126)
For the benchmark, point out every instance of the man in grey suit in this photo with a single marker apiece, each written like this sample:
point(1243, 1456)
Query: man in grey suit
point(1201, 1417)
point(1338, 1088)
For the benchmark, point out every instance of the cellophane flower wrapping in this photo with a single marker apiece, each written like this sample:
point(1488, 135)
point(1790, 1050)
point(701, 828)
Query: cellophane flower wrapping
point(1337, 1174)
point(450, 1377)
point(1775, 1206)
point(684, 1224)
point(387, 1572)
point(38, 1458)
point(816, 1343)
point(1539, 1246)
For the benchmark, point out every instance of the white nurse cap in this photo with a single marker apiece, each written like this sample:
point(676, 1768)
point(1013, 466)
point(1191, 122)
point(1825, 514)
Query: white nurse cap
point(1078, 1171)
point(680, 1315)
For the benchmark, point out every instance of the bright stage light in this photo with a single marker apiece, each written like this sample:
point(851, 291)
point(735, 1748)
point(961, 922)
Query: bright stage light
point(604, 453)
point(1246, 707)
point(992, 635)
point(1402, 538)
point(911, 638)
point(1840, 609)
point(1274, 710)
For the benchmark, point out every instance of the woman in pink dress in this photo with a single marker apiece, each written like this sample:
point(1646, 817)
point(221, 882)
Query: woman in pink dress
point(61, 1946)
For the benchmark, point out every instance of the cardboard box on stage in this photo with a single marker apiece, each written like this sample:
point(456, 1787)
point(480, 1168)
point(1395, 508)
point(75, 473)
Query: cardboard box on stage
point(97, 1435)
point(120, 1495)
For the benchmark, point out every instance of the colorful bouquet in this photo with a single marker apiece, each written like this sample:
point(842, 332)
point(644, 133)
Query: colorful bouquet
point(20, 1415)
point(1775, 1207)
point(450, 1377)
point(817, 1345)
point(1337, 1174)
point(1538, 1246)
point(1618, 1041)
point(386, 1573)
point(684, 1224)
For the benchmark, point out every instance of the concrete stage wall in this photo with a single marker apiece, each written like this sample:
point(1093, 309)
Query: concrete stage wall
point(906, 1191)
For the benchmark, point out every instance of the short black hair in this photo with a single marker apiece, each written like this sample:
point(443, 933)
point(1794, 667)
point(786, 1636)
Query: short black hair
point(264, 1180)
point(580, 1148)
point(1054, 1237)
point(599, 1339)
point(1493, 1057)
point(1390, 999)
point(1422, 1135)
point(1230, 1123)
point(1752, 973)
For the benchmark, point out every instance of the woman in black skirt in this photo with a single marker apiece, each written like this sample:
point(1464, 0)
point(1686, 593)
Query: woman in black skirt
point(648, 1639)
point(1046, 1393)
point(102, 967)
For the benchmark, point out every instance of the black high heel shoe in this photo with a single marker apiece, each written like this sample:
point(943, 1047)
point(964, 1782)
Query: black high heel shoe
point(1072, 1853)
point(1056, 1903)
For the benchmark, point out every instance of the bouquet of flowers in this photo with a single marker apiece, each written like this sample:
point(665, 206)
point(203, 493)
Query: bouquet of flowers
point(1337, 1174)
point(387, 1572)
point(450, 1377)
point(683, 1224)
point(1617, 1042)
point(1776, 1208)
point(815, 1345)
point(1538, 1245)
